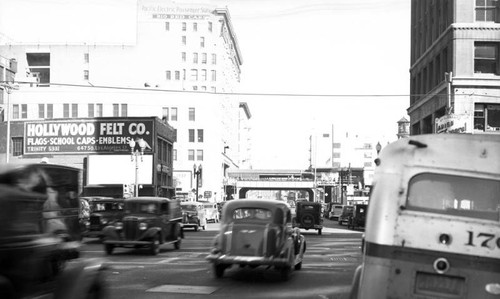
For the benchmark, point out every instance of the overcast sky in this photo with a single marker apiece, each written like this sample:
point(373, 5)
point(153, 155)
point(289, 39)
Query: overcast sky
point(321, 47)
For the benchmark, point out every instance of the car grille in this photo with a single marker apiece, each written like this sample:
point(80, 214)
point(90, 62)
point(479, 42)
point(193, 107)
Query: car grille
point(131, 229)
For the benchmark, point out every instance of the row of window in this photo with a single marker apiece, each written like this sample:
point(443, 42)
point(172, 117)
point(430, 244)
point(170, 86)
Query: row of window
point(184, 41)
point(204, 58)
point(195, 75)
point(20, 111)
point(194, 26)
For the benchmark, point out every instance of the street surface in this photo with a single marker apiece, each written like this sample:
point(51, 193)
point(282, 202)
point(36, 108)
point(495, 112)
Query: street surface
point(327, 271)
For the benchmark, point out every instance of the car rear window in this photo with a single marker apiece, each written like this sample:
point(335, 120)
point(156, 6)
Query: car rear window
point(252, 213)
point(455, 195)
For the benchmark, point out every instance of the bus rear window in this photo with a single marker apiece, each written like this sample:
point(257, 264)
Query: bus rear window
point(455, 195)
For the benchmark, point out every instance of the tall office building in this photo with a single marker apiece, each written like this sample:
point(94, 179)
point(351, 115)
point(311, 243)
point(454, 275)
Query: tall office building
point(455, 66)
point(176, 61)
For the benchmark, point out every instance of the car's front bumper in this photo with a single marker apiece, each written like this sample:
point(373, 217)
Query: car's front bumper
point(248, 260)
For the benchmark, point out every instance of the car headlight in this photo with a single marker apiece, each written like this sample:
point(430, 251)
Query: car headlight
point(104, 221)
point(143, 226)
point(119, 225)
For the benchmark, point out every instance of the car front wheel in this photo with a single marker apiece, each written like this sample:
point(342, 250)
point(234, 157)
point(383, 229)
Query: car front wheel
point(155, 245)
point(219, 270)
point(109, 248)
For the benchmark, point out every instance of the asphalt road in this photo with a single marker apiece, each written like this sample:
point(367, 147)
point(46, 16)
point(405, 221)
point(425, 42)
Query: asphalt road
point(327, 270)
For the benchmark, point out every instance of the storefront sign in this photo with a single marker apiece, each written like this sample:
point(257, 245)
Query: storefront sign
point(453, 123)
point(83, 136)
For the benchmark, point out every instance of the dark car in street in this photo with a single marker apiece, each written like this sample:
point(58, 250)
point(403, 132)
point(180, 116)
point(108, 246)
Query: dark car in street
point(193, 215)
point(104, 211)
point(36, 261)
point(257, 233)
point(345, 214)
point(148, 222)
point(308, 215)
point(358, 217)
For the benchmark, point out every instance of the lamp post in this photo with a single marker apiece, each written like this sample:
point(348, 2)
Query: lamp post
point(135, 154)
point(197, 171)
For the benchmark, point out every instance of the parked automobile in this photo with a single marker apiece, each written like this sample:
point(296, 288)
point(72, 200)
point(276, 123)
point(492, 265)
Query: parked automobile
point(211, 211)
point(36, 262)
point(148, 222)
point(308, 215)
point(347, 212)
point(358, 217)
point(193, 215)
point(335, 211)
point(257, 233)
point(104, 211)
point(433, 225)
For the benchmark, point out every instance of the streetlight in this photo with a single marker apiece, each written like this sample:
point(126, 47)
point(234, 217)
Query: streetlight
point(197, 171)
point(9, 88)
point(135, 153)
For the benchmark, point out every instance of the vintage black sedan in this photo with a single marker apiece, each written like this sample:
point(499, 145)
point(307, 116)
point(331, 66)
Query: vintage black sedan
point(104, 211)
point(257, 233)
point(308, 215)
point(147, 222)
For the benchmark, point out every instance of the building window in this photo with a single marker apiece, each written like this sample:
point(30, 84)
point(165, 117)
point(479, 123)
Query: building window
point(174, 153)
point(177, 75)
point(191, 135)
point(203, 75)
point(214, 58)
point(66, 110)
point(190, 155)
point(195, 87)
point(199, 155)
point(202, 42)
point(194, 75)
point(204, 58)
point(167, 26)
point(195, 57)
point(168, 75)
point(50, 111)
point(116, 110)
point(41, 110)
point(183, 54)
point(195, 27)
point(200, 135)
point(39, 67)
point(164, 113)
point(19, 111)
point(175, 135)
point(98, 110)
point(184, 74)
point(184, 40)
point(204, 88)
point(487, 117)
point(86, 57)
point(124, 110)
point(486, 10)
point(191, 114)
point(17, 146)
point(486, 58)
point(210, 26)
point(86, 75)
point(184, 26)
point(74, 110)
point(91, 110)
point(173, 111)
point(214, 75)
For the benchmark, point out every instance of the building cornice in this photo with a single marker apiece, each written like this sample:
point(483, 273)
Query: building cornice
point(225, 13)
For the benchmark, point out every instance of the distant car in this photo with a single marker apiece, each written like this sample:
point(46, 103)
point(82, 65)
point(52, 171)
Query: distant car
point(358, 217)
point(104, 211)
point(308, 215)
point(345, 214)
point(211, 211)
point(193, 215)
point(148, 222)
point(335, 211)
point(257, 233)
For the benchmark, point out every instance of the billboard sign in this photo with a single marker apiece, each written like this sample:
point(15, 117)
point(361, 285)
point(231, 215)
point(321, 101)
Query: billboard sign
point(88, 135)
point(453, 123)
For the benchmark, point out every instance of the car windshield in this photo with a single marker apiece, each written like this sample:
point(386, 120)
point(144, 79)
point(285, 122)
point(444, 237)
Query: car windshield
point(455, 195)
point(141, 207)
point(106, 206)
point(252, 213)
